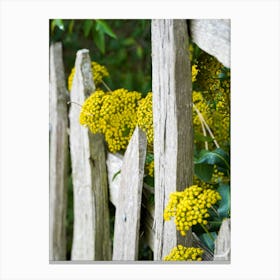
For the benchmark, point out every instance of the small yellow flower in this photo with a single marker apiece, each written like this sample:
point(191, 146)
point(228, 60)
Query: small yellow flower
point(113, 114)
point(145, 116)
point(181, 253)
point(190, 207)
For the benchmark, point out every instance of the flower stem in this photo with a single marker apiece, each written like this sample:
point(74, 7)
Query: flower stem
point(206, 125)
point(105, 85)
point(208, 233)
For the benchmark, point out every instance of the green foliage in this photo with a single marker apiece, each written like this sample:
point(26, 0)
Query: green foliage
point(204, 171)
point(224, 206)
point(218, 157)
point(123, 46)
point(208, 239)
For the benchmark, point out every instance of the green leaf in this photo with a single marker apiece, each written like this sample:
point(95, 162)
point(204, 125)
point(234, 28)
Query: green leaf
point(57, 23)
point(71, 26)
point(204, 171)
point(224, 205)
point(115, 175)
point(99, 40)
point(215, 224)
point(218, 157)
point(87, 27)
point(207, 240)
point(102, 26)
point(149, 158)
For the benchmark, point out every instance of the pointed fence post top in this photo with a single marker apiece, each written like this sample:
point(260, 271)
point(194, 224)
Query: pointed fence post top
point(83, 74)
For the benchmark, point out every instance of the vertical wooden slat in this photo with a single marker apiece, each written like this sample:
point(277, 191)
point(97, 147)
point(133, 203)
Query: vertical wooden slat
point(58, 155)
point(91, 237)
point(127, 219)
point(222, 242)
point(173, 133)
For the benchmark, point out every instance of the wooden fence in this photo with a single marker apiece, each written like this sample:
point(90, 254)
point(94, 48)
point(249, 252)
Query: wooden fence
point(93, 168)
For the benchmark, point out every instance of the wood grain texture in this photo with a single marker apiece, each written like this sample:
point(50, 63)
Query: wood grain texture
point(59, 156)
point(173, 131)
point(222, 242)
point(127, 218)
point(213, 36)
point(114, 165)
point(91, 240)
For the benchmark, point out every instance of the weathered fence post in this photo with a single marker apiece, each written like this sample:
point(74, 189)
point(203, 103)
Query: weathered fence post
point(91, 237)
point(128, 206)
point(173, 132)
point(222, 242)
point(213, 36)
point(58, 155)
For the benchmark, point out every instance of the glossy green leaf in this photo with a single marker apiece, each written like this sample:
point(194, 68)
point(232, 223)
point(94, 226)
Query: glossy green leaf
point(207, 240)
point(215, 224)
point(224, 205)
point(87, 27)
point(71, 26)
point(218, 157)
point(99, 40)
point(204, 171)
point(102, 26)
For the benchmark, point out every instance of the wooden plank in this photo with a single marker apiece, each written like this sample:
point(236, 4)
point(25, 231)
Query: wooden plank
point(213, 36)
point(127, 219)
point(173, 131)
point(222, 242)
point(91, 237)
point(59, 156)
point(114, 165)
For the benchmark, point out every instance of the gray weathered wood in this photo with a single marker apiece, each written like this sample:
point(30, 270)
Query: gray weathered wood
point(114, 165)
point(91, 237)
point(222, 242)
point(58, 155)
point(173, 132)
point(213, 36)
point(127, 218)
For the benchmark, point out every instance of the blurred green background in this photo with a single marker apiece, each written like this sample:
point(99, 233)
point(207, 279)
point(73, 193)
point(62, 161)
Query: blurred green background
point(123, 46)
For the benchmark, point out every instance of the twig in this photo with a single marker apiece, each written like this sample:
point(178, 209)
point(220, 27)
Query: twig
point(105, 85)
point(206, 125)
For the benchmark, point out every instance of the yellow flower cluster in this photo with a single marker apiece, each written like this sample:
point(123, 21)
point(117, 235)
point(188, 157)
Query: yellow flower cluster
point(113, 114)
point(190, 207)
point(194, 72)
point(216, 114)
point(150, 168)
point(213, 97)
point(209, 69)
point(145, 116)
point(181, 253)
point(217, 175)
point(98, 71)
